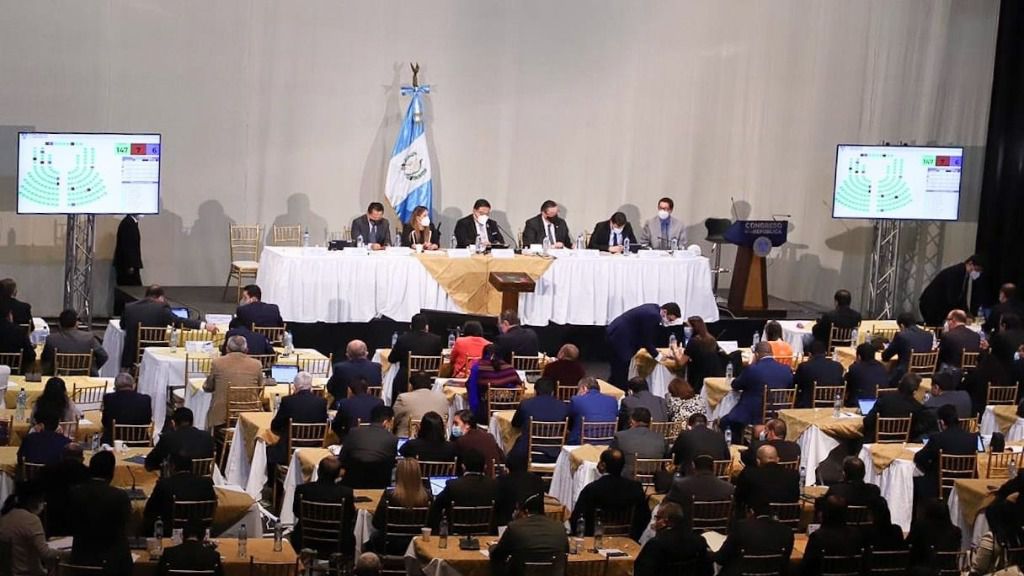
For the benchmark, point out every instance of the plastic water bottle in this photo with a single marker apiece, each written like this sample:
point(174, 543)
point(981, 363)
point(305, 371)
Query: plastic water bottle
point(581, 527)
point(757, 338)
point(243, 542)
point(398, 239)
point(675, 244)
point(803, 475)
point(981, 315)
point(453, 244)
point(95, 444)
point(935, 341)
point(546, 244)
point(451, 339)
point(927, 397)
point(1011, 469)
point(277, 401)
point(837, 406)
point(853, 336)
point(672, 340)
point(289, 343)
point(728, 436)
point(305, 237)
point(174, 339)
point(21, 405)
point(359, 241)
point(158, 528)
point(278, 536)
point(394, 338)
point(579, 242)
point(728, 372)
point(442, 532)
point(625, 245)
point(598, 530)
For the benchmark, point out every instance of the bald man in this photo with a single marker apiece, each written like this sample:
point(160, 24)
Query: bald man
point(764, 372)
point(567, 370)
point(356, 365)
point(768, 482)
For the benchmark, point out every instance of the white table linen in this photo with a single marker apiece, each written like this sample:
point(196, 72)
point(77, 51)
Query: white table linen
point(897, 485)
point(814, 448)
point(657, 380)
point(794, 331)
point(388, 379)
point(566, 486)
point(970, 535)
point(989, 425)
point(113, 344)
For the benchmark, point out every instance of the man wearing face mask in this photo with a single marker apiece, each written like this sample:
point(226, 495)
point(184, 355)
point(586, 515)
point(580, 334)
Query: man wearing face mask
point(420, 230)
point(478, 223)
point(962, 286)
point(548, 225)
point(956, 339)
point(610, 236)
point(659, 231)
point(373, 227)
point(635, 329)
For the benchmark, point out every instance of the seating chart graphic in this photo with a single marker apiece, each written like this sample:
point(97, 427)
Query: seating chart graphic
point(897, 182)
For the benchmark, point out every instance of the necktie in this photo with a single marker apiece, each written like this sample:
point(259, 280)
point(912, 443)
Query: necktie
point(615, 239)
point(664, 233)
point(551, 233)
point(373, 233)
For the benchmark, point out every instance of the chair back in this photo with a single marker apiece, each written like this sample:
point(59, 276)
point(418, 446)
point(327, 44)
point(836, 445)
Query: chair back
point(503, 399)
point(763, 564)
point(616, 522)
point(243, 399)
point(88, 396)
point(892, 430)
point(195, 335)
point(553, 566)
point(711, 515)
point(202, 467)
point(471, 519)
point(429, 365)
point(896, 562)
point(793, 465)
point(997, 395)
point(430, 469)
point(776, 399)
point(186, 511)
point(858, 516)
point(157, 336)
point(317, 367)
point(840, 337)
point(306, 435)
point(670, 430)
point(72, 364)
point(953, 467)
point(403, 523)
point(264, 568)
point(969, 424)
point(723, 469)
point(134, 435)
point(884, 334)
point(31, 470)
point(825, 396)
point(11, 360)
point(267, 361)
point(68, 569)
point(197, 367)
point(6, 430)
point(528, 365)
point(841, 565)
point(788, 513)
point(923, 363)
point(644, 470)
point(323, 525)
point(948, 562)
point(969, 361)
point(597, 433)
point(545, 435)
point(596, 567)
point(565, 393)
point(69, 429)
point(286, 235)
point(275, 334)
point(999, 463)
point(244, 242)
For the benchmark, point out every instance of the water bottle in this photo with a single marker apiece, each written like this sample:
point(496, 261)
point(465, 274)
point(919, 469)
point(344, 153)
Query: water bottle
point(728, 436)
point(21, 405)
point(277, 401)
point(546, 244)
point(579, 242)
point(1011, 469)
point(756, 338)
point(675, 244)
point(835, 355)
point(853, 336)
point(803, 475)
point(453, 244)
point(837, 406)
point(305, 238)
point(451, 339)
point(158, 528)
point(728, 373)
point(243, 542)
point(598, 530)
point(359, 241)
point(981, 315)
point(174, 339)
point(442, 532)
point(479, 244)
point(868, 337)
point(581, 527)
point(935, 341)
point(95, 444)
point(278, 536)
point(927, 397)
point(398, 239)
point(289, 343)
point(672, 340)
point(625, 245)
point(394, 338)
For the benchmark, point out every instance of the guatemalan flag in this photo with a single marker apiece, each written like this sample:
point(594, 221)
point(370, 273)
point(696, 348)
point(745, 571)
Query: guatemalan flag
point(409, 184)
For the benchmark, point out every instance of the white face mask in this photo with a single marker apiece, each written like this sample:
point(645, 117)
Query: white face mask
point(482, 219)
point(616, 230)
point(975, 274)
point(425, 221)
point(663, 214)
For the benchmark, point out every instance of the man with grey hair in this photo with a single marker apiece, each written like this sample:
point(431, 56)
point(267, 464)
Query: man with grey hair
point(232, 370)
point(356, 366)
point(125, 406)
point(302, 406)
point(765, 372)
point(368, 564)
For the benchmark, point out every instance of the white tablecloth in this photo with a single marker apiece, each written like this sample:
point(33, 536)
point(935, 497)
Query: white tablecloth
point(794, 331)
point(990, 426)
point(248, 470)
point(969, 536)
point(314, 285)
point(657, 380)
point(388, 379)
point(814, 448)
point(566, 486)
point(897, 485)
point(113, 343)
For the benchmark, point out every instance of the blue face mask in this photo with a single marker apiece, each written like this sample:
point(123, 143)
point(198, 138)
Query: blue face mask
point(456, 431)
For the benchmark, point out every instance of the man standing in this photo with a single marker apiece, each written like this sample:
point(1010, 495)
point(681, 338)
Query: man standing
point(419, 342)
point(660, 231)
point(253, 311)
point(515, 339)
point(962, 286)
point(153, 310)
point(611, 235)
point(635, 329)
point(548, 225)
point(842, 317)
point(373, 227)
point(128, 252)
point(478, 224)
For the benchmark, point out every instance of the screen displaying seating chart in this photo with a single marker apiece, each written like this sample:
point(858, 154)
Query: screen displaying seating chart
point(66, 173)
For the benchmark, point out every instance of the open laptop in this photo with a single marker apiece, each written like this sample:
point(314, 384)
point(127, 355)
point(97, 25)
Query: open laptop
point(401, 442)
point(866, 405)
point(981, 443)
point(437, 483)
point(284, 373)
point(180, 313)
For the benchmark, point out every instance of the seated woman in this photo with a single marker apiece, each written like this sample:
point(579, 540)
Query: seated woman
point(773, 334)
point(1005, 531)
point(469, 345)
point(419, 230)
point(682, 402)
point(408, 492)
point(490, 372)
point(430, 445)
point(54, 401)
point(700, 357)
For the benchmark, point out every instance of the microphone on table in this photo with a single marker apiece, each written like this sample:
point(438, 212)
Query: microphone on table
point(505, 233)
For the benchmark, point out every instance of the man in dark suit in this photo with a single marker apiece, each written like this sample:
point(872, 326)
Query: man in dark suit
point(758, 535)
point(125, 406)
point(944, 392)
point(192, 554)
point(610, 235)
point(773, 433)
point(899, 405)
point(833, 538)
point(590, 405)
point(255, 343)
point(182, 486)
point(253, 311)
point(355, 409)
point(357, 365)
point(299, 407)
point(369, 452)
point(700, 485)
point(43, 446)
point(962, 286)
point(532, 536)
point(128, 252)
point(865, 376)
point(843, 316)
point(515, 487)
point(612, 492)
point(640, 397)
point(543, 407)
point(327, 488)
point(183, 438)
point(469, 437)
point(100, 514)
point(634, 329)
point(768, 482)
point(548, 225)
point(764, 373)
point(472, 488)
point(21, 311)
point(57, 480)
point(956, 339)
point(478, 223)
point(418, 341)
point(910, 339)
point(14, 338)
point(853, 488)
point(515, 339)
point(698, 440)
point(818, 370)
point(151, 311)
point(951, 440)
point(673, 543)
point(68, 339)
point(1008, 304)
point(373, 227)
point(639, 441)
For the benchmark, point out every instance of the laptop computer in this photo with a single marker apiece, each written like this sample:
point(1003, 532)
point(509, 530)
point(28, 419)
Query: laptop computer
point(284, 373)
point(180, 312)
point(401, 442)
point(981, 443)
point(437, 483)
point(866, 405)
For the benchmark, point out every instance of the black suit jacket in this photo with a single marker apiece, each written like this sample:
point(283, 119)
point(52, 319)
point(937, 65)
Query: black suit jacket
point(368, 456)
point(14, 338)
point(842, 316)
point(699, 441)
point(896, 405)
point(352, 411)
point(100, 516)
point(519, 341)
point(818, 369)
point(255, 343)
point(410, 236)
point(906, 342)
point(330, 493)
point(757, 486)
point(755, 536)
point(467, 490)
point(190, 555)
point(57, 481)
point(612, 493)
point(534, 231)
point(361, 227)
point(1013, 306)
point(146, 312)
point(699, 486)
point(535, 537)
point(465, 232)
point(418, 343)
point(349, 371)
point(45, 447)
point(788, 451)
point(303, 407)
point(948, 290)
point(190, 441)
point(857, 493)
point(601, 238)
point(128, 247)
point(21, 311)
point(955, 342)
point(829, 540)
point(863, 380)
point(126, 407)
point(514, 488)
point(428, 450)
point(259, 314)
point(180, 486)
point(672, 545)
point(952, 441)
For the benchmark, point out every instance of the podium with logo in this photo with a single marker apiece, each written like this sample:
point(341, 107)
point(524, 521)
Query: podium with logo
point(748, 292)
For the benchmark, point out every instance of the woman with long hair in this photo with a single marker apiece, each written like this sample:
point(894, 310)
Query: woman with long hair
point(467, 347)
point(700, 356)
point(430, 444)
point(682, 402)
point(1005, 531)
point(21, 526)
point(420, 230)
point(492, 371)
point(409, 491)
point(54, 401)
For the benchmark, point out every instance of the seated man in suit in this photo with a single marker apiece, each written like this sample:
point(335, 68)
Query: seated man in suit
point(68, 339)
point(758, 535)
point(951, 440)
point(818, 370)
point(660, 231)
point(20, 311)
point(151, 311)
point(843, 316)
point(853, 488)
point(232, 370)
point(355, 409)
point(181, 486)
point(515, 487)
point(944, 392)
point(764, 372)
point(100, 514)
point(768, 482)
point(125, 405)
point(773, 433)
point(515, 339)
point(14, 338)
point(372, 228)
point(357, 365)
point(57, 480)
point(547, 225)
point(369, 452)
point(413, 405)
point(956, 339)
point(899, 405)
point(329, 489)
point(639, 441)
point(1008, 304)
point(566, 370)
point(700, 485)
point(531, 536)
point(299, 407)
point(910, 339)
point(611, 235)
point(590, 405)
point(45, 445)
point(183, 438)
point(673, 543)
point(865, 376)
point(612, 493)
point(478, 224)
point(472, 488)
point(634, 329)
point(640, 396)
point(469, 437)
point(256, 343)
point(192, 554)
point(253, 311)
point(833, 538)
point(543, 407)
point(698, 440)
point(418, 341)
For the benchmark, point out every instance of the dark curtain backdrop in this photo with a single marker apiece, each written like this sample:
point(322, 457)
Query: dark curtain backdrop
point(1001, 219)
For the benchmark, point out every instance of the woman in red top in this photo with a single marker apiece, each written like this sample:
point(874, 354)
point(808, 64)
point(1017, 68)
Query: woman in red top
point(468, 348)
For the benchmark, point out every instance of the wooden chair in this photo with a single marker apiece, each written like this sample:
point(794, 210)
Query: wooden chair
point(841, 565)
point(430, 469)
point(11, 360)
point(222, 442)
point(776, 399)
point(955, 467)
point(892, 430)
point(6, 430)
point(923, 363)
point(763, 564)
point(31, 470)
point(299, 436)
point(317, 367)
point(644, 470)
point(881, 562)
point(151, 336)
point(969, 361)
point(264, 568)
point(69, 429)
point(323, 525)
point(202, 467)
point(544, 435)
point(72, 364)
point(787, 513)
point(529, 365)
point(195, 367)
point(670, 430)
point(840, 337)
point(565, 393)
point(711, 515)
point(1001, 395)
point(858, 516)
point(275, 334)
point(402, 524)
point(266, 360)
point(597, 567)
point(616, 522)
point(537, 567)
point(948, 563)
point(825, 396)
point(195, 335)
point(88, 396)
point(134, 435)
point(244, 246)
point(186, 511)
point(286, 235)
point(969, 424)
point(429, 365)
point(999, 463)
point(793, 465)
point(469, 520)
point(886, 335)
point(597, 433)
point(723, 469)
point(503, 399)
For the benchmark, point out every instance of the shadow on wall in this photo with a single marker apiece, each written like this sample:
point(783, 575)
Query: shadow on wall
point(299, 213)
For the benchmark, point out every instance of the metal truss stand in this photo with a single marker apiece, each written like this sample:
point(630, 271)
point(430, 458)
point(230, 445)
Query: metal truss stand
point(885, 270)
point(78, 260)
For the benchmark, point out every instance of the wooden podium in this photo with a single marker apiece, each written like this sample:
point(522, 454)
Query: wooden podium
point(511, 284)
point(748, 292)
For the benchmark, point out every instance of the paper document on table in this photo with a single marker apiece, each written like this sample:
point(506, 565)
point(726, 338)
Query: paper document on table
point(714, 540)
point(63, 543)
point(486, 553)
point(848, 415)
point(85, 422)
point(728, 346)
